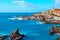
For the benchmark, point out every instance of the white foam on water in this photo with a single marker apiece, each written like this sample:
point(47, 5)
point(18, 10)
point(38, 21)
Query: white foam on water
point(58, 34)
point(39, 22)
point(15, 18)
point(19, 18)
point(11, 18)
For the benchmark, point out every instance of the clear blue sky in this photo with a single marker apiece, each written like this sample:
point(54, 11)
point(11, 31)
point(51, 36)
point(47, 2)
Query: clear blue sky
point(25, 5)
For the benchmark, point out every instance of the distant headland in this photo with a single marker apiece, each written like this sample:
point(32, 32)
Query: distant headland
point(51, 16)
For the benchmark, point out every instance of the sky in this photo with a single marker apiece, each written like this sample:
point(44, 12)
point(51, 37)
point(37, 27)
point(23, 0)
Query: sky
point(27, 5)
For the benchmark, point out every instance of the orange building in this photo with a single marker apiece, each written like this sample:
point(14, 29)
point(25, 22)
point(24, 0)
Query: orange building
point(55, 11)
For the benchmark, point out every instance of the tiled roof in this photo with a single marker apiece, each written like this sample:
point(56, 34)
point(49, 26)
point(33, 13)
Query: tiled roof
point(57, 12)
point(57, 9)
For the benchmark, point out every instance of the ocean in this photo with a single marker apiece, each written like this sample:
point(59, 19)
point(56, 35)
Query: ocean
point(33, 29)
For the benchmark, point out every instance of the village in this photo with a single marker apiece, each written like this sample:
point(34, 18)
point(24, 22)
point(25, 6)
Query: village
point(50, 16)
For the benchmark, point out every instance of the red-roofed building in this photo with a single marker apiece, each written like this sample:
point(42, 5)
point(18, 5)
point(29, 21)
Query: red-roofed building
point(55, 11)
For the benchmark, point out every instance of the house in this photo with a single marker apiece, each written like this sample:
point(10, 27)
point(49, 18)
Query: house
point(55, 12)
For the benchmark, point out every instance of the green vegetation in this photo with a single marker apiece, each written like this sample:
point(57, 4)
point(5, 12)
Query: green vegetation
point(52, 14)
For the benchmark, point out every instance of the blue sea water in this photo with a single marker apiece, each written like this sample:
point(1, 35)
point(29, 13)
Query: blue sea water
point(33, 29)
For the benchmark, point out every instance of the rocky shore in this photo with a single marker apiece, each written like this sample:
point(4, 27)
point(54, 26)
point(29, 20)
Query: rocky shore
point(50, 16)
point(14, 36)
point(55, 30)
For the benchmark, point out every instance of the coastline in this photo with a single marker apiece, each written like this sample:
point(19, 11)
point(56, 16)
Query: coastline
point(49, 17)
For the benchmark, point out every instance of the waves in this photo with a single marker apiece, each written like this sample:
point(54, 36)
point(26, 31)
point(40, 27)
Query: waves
point(39, 22)
point(15, 18)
